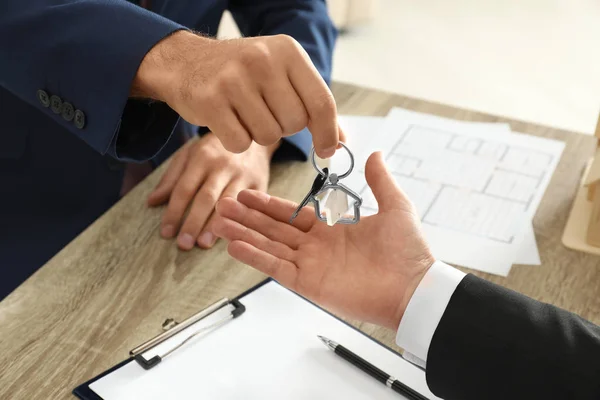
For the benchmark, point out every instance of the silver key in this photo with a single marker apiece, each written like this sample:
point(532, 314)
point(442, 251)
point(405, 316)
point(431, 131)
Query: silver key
point(317, 185)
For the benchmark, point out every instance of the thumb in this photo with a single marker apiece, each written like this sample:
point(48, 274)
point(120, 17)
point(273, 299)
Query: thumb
point(342, 135)
point(383, 185)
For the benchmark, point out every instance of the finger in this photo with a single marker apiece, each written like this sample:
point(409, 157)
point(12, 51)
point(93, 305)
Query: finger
point(207, 238)
point(162, 191)
point(278, 209)
point(232, 230)
point(257, 221)
point(285, 272)
point(319, 103)
point(181, 197)
point(388, 194)
point(342, 135)
point(230, 131)
point(286, 106)
point(255, 115)
point(202, 207)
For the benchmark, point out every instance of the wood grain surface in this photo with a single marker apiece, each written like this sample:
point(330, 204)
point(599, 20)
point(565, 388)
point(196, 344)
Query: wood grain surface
point(113, 286)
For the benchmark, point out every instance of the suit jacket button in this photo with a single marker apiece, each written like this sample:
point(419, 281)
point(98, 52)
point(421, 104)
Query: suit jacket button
point(68, 112)
point(55, 104)
point(43, 97)
point(79, 119)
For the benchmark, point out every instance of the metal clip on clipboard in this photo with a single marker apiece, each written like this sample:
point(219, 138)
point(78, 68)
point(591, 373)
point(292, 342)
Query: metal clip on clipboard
point(173, 328)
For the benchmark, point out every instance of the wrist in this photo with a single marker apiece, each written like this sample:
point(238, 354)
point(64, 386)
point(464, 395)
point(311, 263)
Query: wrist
point(412, 283)
point(160, 70)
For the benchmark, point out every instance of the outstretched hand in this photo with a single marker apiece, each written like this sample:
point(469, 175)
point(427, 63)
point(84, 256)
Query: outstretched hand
point(367, 271)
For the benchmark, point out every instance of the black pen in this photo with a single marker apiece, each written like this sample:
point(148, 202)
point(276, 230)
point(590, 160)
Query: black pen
point(372, 370)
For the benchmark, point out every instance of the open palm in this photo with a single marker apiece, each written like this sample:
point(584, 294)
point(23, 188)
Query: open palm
point(366, 271)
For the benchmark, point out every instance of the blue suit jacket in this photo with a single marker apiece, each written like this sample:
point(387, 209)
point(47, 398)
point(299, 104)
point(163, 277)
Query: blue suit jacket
point(67, 123)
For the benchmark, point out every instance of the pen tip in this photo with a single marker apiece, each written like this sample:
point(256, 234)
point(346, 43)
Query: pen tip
point(324, 340)
point(328, 342)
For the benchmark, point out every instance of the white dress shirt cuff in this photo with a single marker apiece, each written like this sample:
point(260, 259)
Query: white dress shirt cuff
point(425, 310)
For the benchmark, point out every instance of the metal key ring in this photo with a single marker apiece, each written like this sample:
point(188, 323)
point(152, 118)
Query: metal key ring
point(320, 171)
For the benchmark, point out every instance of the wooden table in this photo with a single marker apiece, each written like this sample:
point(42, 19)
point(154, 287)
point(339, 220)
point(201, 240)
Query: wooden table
point(114, 285)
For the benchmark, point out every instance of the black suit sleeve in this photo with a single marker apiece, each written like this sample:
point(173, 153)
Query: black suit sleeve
point(494, 343)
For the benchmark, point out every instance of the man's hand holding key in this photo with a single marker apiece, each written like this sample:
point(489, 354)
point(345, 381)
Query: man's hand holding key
point(252, 89)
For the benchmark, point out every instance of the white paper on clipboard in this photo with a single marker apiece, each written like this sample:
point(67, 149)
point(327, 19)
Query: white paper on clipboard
point(270, 352)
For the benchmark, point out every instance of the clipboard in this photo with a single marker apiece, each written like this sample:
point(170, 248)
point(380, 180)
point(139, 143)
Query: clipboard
point(169, 349)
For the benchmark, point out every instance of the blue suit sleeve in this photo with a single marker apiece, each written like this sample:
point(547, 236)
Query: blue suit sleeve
point(308, 22)
point(87, 53)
